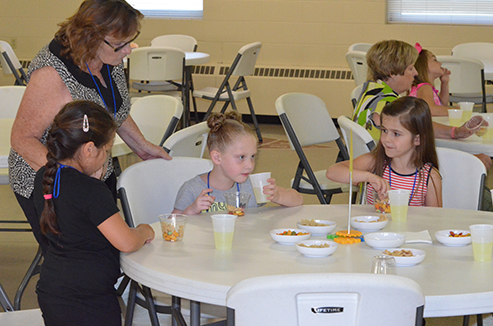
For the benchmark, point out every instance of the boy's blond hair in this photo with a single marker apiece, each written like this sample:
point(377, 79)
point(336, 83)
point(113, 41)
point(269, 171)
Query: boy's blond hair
point(390, 57)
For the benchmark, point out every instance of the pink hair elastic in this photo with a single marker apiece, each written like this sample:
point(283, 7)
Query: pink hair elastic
point(418, 47)
point(50, 196)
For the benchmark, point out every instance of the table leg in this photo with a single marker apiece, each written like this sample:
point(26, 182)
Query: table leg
point(194, 313)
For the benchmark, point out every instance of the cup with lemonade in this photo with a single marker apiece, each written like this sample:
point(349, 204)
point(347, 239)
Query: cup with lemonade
point(482, 241)
point(455, 117)
point(224, 228)
point(399, 201)
point(466, 107)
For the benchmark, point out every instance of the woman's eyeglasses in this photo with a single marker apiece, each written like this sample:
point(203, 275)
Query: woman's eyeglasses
point(118, 48)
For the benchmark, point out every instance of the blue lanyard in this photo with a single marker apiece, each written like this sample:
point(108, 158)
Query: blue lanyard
point(208, 185)
point(414, 183)
point(99, 91)
point(56, 185)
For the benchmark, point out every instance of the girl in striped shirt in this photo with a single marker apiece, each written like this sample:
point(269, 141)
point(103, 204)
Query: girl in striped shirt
point(405, 157)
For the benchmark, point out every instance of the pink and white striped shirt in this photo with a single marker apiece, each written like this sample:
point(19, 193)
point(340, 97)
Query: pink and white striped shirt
point(418, 188)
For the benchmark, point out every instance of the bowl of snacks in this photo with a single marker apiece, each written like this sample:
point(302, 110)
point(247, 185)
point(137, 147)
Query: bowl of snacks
point(316, 248)
point(369, 223)
point(453, 238)
point(406, 257)
point(383, 240)
point(317, 227)
point(173, 226)
point(289, 236)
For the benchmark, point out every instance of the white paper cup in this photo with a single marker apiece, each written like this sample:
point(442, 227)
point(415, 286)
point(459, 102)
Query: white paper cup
point(383, 265)
point(259, 180)
point(399, 201)
point(224, 228)
point(467, 108)
point(482, 241)
point(455, 117)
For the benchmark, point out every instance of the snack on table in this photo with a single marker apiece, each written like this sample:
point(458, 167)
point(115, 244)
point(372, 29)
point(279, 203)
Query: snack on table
point(324, 245)
point(170, 233)
point(291, 232)
point(459, 235)
point(238, 211)
point(312, 223)
point(399, 253)
point(343, 237)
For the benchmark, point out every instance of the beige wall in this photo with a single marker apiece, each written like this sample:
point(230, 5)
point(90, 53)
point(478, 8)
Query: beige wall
point(304, 33)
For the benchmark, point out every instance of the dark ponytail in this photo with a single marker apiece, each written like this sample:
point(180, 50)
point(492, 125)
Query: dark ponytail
point(65, 137)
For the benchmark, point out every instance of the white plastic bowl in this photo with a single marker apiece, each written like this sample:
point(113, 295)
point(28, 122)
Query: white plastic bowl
point(316, 252)
point(384, 240)
point(445, 238)
point(319, 230)
point(418, 257)
point(289, 240)
point(368, 223)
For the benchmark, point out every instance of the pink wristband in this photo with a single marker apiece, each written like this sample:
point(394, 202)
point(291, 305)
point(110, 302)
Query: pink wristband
point(48, 196)
point(452, 132)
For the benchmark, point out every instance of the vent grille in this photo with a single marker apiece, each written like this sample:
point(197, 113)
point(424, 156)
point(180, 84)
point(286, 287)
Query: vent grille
point(266, 72)
point(281, 72)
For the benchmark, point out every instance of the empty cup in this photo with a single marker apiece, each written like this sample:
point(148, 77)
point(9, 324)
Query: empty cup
point(173, 226)
point(399, 201)
point(383, 265)
point(236, 202)
point(259, 180)
point(466, 107)
point(482, 241)
point(455, 117)
point(477, 124)
point(224, 228)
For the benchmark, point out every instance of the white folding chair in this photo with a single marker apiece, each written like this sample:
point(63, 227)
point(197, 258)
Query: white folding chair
point(243, 65)
point(307, 122)
point(157, 66)
point(147, 190)
point(481, 51)
point(357, 62)
point(326, 299)
point(31, 317)
point(355, 94)
point(185, 43)
point(363, 47)
point(12, 65)
point(466, 80)
point(189, 142)
point(465, 170)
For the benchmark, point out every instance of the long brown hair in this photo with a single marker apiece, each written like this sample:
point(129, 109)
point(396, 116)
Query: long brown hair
point(421, 66)
point(225, 129)
point(415, 115)
point(82, 34)
point(65, 137)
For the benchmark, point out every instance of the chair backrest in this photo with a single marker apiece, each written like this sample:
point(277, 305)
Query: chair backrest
point(156, 63)
point(481, 51)
point(466, 74)
point(357, 62)
point(11, 64)
point(464, 170)
point(148, 189)
point(157, 116)
point(185, 43)
point(355, 94)
point(190, 141)
point(327, 299)
point(244, 64)
point(362, 141)
point(10, 99)
point(363, 47)
point(308, 118)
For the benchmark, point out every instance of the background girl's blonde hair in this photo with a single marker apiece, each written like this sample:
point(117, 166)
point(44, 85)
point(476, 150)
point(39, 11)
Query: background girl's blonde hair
point(390, 57)
point(225, 130)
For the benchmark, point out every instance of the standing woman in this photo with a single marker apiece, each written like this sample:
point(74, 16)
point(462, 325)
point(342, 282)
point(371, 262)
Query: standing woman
point(82, 62)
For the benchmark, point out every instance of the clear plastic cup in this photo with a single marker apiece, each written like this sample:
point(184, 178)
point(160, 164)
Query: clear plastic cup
point(173, 226)
point(467, 108)
point(399, 201)
point(455, 117)
point(237, 202)
point(482, 241)
point(259, 180)
point(383, 265)
point(476, 123)
point(224, 229)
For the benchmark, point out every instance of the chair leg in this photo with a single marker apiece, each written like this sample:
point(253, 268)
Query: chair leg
point(194, 101)
point(123, 284)
point(132, 295)
point(33, 269)
point(150, 306)
point(465, 321)
point(254, 118)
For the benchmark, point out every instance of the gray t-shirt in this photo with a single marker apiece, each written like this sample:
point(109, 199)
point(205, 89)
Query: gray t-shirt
point(191, 189)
